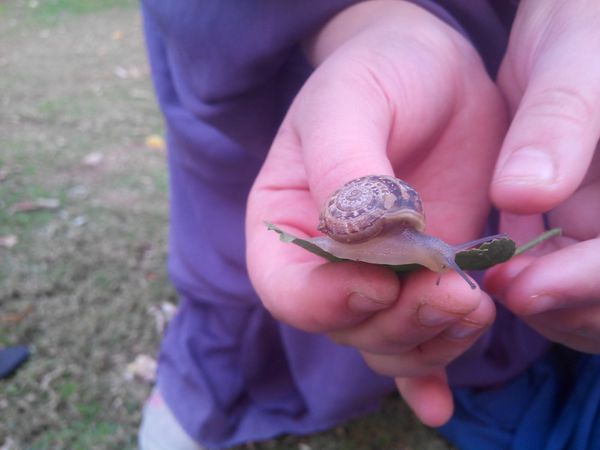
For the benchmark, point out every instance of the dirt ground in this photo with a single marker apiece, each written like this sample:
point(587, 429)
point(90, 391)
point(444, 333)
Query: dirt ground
point(83, 220)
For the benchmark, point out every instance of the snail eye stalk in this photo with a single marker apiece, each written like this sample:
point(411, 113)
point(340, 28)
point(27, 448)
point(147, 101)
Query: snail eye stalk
point(452, 264)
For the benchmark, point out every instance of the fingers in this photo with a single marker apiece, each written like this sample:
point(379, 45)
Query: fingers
point(347, 114)
point(323, 297)
point(564, 307)
point(574, 281)
point(419, 335)
point(576, 328)
point(427, 328)
point(554, 86)
point(429, 397)
point(295, 285)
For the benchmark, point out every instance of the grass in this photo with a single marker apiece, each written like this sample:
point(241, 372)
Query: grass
point(84, 279)
point(90, 271)
point(52, 12)
point(54, 8)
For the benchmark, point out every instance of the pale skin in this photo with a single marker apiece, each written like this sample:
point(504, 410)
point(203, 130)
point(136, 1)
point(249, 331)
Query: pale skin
point(398, 92)
point(551, 80)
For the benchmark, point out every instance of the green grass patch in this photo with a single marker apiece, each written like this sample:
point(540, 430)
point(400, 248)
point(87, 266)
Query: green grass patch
point(80, 435)
point(51, 10)
point(66, 389)
point(24, 222)
point(4, 334)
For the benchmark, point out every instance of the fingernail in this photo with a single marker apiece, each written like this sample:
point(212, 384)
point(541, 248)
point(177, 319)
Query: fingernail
point(358, 302)
point(462, 330)
point(539, 303)
point(432, 317)
point(528, 165)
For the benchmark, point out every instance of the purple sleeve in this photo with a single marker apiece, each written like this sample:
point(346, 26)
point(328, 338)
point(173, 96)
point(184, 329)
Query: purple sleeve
point(218, 40)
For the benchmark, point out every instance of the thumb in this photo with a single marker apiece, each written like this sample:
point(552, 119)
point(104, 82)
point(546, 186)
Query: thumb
point(555, 129)
point(364, 112)
point(343, 131)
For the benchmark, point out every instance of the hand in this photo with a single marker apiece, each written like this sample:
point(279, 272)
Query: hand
point(398, 92)
point(550, 163)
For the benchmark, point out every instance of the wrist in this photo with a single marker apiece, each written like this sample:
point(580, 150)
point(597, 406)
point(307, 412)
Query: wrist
point(392, 18)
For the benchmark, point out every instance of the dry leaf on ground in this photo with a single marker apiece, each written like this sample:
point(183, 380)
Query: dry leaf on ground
point(15, 317)
point(155, 142)
point(93, 159)
point(35, 205)
point(9, 241)
point(143, 368)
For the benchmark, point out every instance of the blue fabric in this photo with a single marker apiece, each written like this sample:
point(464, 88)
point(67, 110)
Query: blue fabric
point(11, 358)
point(552, 406)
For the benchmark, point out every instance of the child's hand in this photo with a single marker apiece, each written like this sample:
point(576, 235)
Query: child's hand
point(398, 92)
point(551, 78)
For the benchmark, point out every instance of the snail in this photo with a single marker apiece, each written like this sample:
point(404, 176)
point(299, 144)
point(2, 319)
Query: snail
point(379, 219)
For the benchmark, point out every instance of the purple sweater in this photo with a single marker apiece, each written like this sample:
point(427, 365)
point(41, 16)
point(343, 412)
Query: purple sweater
point(225, 73)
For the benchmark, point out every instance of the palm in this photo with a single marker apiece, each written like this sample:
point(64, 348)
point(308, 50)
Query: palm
point(447, 157)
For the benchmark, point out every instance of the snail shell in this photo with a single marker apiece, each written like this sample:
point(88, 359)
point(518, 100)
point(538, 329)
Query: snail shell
point(379, 219)
point(364, 207)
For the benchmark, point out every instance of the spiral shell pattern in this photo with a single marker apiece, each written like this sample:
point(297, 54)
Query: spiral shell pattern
point(366, 206)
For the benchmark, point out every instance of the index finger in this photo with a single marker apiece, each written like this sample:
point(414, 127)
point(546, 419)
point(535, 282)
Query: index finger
point(574, 282)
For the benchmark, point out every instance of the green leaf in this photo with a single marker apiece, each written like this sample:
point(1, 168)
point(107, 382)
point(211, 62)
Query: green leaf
point(488, 254)
point(306, 245)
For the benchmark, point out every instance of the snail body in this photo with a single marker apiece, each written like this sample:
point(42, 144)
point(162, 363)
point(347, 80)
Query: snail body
point(379, 219)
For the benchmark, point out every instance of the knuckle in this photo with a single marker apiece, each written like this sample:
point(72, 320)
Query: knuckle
point(341, 338)
point(582, 324)
point(389, 336)
point(565, 103)
point(433, 355)
point(397, 339)
point(286, 136)
point(433, 360)
point(587, 328)
point(378, 85)
point(396, 366)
